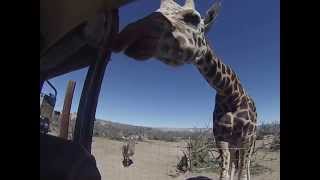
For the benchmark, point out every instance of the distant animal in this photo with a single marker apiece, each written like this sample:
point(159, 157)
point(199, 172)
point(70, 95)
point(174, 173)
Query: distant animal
point(128, 151)
point(183, 164)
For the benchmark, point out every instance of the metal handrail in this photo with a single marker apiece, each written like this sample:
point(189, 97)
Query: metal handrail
point(55, 90)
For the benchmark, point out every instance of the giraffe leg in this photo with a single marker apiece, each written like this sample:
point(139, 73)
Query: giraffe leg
point(232, 167)
point(252, 145)
point(244, 164)
point(233, 162)
point(225, 164)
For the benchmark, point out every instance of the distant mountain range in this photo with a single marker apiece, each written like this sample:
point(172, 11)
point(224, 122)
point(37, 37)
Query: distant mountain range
point(165, 129)
point(115, 130)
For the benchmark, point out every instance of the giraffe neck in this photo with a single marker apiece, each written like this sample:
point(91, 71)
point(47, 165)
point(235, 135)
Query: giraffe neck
point(219, 75)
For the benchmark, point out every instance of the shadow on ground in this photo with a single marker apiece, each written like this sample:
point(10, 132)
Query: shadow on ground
point(199, 178)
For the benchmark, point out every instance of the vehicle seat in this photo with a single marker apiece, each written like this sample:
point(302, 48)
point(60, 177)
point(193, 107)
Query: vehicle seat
point(65, 160)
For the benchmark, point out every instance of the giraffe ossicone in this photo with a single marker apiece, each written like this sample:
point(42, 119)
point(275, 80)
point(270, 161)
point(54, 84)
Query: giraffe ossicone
point(176, 35)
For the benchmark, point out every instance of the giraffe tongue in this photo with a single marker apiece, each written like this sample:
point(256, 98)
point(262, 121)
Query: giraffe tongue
point(142, 49)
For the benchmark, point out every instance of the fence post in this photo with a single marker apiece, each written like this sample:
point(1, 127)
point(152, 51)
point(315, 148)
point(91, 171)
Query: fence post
point(190, 154)
point(65, 114)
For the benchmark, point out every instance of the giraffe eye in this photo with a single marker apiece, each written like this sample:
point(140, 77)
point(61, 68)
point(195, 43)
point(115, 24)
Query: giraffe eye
point(193, 19)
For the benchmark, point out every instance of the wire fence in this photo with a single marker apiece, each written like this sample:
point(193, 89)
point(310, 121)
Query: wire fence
point(157, 160)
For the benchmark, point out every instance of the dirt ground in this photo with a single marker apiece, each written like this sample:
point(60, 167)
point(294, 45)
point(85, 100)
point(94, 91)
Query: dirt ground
point(156, 160)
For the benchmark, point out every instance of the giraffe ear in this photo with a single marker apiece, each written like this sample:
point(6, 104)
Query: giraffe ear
point(211, 15)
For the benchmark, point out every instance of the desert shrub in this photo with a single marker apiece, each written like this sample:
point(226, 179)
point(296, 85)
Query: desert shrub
point(268, 129)
point(275, 145)
point(182, 165)
point(258, 169)
point(140, 138)
point(200, 153)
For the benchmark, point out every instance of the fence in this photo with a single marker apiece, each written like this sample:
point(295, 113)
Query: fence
point(157, 160)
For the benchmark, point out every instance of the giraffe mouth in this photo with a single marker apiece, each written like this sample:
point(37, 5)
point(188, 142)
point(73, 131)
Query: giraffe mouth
point(140, 41)
point(143, 48)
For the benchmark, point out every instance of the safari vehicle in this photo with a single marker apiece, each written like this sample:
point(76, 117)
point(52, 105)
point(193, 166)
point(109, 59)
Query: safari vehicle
point(47, 103)
point(75, 34)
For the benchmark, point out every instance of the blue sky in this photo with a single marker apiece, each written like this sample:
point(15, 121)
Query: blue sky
point(245, 36)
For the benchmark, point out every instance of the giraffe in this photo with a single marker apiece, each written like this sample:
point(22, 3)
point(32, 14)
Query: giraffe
point(176, 35)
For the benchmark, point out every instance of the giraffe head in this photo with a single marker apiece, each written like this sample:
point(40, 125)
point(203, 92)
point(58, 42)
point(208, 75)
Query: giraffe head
point(173, 34)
